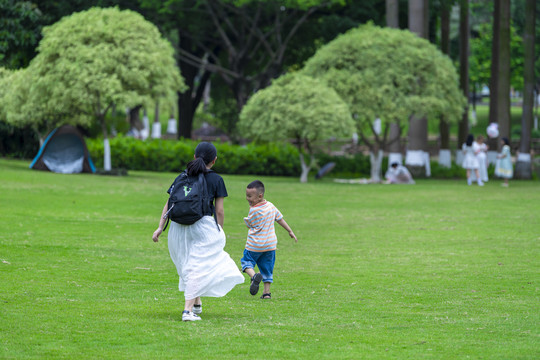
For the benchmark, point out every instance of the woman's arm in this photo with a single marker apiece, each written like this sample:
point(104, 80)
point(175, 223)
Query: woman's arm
point(162, 222)
point(220, 211)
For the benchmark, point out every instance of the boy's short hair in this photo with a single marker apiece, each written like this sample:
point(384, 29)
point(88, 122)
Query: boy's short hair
point(257, 184)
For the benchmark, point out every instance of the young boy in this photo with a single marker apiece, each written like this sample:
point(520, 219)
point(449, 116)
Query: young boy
point(261, 240)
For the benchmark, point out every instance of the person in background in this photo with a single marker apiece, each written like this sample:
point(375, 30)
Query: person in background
point(504, 167)
point(398, 174)
point(481, 154)
point(470, 160)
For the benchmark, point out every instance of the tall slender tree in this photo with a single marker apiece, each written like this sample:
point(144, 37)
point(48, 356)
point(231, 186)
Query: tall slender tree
point(494, 79)
point(463, 127)
point(503, 93)
point(445, 158)
point(394, 142)
point(415, 157)
point(523, 164)
point(392, 14)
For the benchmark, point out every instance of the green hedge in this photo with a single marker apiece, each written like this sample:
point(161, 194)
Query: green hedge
point(277, 159)
point(172, 156)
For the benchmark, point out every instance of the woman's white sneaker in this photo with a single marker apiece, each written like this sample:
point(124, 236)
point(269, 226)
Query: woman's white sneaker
point(190, 316)
point(197, 309)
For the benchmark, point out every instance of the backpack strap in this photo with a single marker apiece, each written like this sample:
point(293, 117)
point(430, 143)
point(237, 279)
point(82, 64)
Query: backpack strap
point(167, 223)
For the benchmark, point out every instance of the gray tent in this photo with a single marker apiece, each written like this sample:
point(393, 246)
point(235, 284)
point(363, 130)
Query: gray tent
point(64, 151)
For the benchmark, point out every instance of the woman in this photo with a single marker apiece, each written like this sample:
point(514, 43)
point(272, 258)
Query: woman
point(470, 161)
point(481, 154)
point(204, 268)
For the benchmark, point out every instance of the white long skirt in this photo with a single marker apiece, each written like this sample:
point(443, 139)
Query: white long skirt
point(482, 168)
point(204, 268)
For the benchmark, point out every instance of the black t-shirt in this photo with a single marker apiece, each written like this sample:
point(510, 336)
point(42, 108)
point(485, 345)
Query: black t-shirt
point(214, 184)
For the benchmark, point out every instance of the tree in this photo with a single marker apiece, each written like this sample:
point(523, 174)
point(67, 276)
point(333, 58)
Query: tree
point(92, 60)
point(415, 157)
point(503, 91)
point(244, 42)
point(523, 164)
point(445, 158)
point(390, 74)
point(392, 13)
point(296, 107)
point(20, 27)
point(394, 148)
point(22, 109)
point(463, 127)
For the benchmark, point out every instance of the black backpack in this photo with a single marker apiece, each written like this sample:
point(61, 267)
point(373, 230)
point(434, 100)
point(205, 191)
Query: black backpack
point(188, 200)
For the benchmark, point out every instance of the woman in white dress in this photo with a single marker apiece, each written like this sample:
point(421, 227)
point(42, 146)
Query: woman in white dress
point(204, 268)
point(482, 149)
point(470, 161)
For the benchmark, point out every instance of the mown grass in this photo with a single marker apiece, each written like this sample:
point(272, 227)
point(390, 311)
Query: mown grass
point(434, 270)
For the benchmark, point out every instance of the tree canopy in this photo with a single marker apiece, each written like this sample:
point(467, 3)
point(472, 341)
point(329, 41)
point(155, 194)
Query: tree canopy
point(388, 73)
point(20, 27)
point(296, 107)
point(91, 60)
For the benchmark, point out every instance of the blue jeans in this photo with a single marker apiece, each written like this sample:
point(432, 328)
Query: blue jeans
point(264, 260)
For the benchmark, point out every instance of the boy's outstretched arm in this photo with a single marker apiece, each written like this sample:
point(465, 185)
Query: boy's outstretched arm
point(286, 226)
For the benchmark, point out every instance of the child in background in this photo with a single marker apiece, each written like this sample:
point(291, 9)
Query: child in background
point(261, 240)
point(504, 167)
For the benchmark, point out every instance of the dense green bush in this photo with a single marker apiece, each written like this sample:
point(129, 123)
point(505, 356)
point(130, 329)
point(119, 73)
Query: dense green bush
point(22, 143)
point(172, 156)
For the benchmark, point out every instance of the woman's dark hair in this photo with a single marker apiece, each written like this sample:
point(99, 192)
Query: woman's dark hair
point(470, 139)
point(205, 153)
point(506, 141)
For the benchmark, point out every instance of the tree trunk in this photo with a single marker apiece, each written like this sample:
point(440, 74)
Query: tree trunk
point(503, 95)
point(188, 101)
point(376, 158)
point(145, 132)
point(523, 164)
point(416, 18)
point(415, 158)
point(172, 126)
point(394, 144)
point(306, 168)
point(392, 14)
point(426, 19)
point(494, 80)
point(106, 145)
point(135, 118)
point(445, 158)
point(463, 127)
point(156, 126)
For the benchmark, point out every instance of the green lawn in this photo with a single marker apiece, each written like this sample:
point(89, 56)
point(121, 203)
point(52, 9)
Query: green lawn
point(436, 270)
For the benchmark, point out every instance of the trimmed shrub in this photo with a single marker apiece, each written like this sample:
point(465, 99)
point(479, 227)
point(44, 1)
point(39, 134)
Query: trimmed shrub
point(172, 156)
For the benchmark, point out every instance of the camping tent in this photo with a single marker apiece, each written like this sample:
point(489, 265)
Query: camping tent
point(64, 151)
